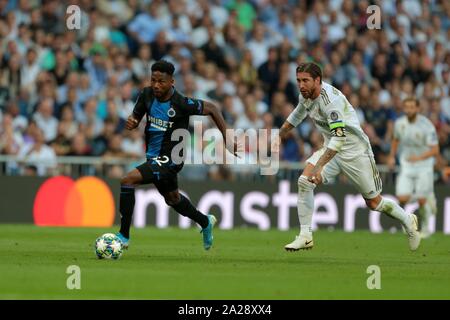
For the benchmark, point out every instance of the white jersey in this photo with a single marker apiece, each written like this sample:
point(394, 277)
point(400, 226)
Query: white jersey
point(415, 139)
point(331, 110)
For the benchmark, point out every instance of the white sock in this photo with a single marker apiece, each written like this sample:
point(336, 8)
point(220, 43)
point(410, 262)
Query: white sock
point(305, 205)
point(393, 210)
point(431, 203)
point(425, 214)
point(306, 230)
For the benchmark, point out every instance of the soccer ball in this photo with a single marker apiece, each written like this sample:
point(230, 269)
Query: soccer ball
point(108, 246)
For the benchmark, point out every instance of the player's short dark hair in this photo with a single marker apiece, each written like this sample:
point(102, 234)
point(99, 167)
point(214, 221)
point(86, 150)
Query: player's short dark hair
point(411, 99)
point(163, 66)
point(312, 68)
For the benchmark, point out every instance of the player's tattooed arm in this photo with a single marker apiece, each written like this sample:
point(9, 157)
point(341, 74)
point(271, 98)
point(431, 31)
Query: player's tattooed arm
point(284, 131)
point(285, 128)
point(326, 157)
point(213, 111)
point(316, 176)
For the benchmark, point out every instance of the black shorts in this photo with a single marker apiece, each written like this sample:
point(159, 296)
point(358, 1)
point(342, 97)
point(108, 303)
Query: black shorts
point(164, 177)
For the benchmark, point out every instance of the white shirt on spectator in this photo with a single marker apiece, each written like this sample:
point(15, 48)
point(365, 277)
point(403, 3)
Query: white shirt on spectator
point(219, 16)
point(135, 147)
point(412, 7)
point(29, 73)
point(259, 52)
point(125, 108)
point(48, 125)
point(243, 122)
point(20, 123)
point(335, 32)
point(43, 159)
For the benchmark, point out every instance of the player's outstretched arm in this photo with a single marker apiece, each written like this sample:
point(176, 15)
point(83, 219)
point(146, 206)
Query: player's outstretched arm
point(285, 128)
point(139, 110)
point(131, 123)
point(323, 160)
point(211, 109)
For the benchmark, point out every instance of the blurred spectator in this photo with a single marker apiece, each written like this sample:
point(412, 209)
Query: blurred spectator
point(245, 12)
point(146, 25)
point(247, 72)
point(160, 46)
point(38, 154)
point(140, 65)
point(259, 45)
point(213, 51)
point(45, 120)
point(10, 139)
point(79, 146)
point(269, 72)
point(79, 86)
point(250, 118)
point(133, 144)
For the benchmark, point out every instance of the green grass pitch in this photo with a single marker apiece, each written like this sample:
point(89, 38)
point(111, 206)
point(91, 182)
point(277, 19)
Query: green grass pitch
point(243, 264)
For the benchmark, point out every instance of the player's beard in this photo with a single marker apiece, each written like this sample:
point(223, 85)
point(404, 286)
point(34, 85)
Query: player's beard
point(158, 94)
point(307, 94)
point(412, 118)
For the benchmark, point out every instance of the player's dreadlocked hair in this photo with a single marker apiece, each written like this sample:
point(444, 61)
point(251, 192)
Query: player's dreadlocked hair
point(163, 66)
point(312, 68)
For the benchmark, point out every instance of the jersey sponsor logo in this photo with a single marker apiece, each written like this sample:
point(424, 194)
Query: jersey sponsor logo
point(159, 123)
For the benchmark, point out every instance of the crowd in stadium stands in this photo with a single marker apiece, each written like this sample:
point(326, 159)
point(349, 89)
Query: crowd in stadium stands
point(68, 92)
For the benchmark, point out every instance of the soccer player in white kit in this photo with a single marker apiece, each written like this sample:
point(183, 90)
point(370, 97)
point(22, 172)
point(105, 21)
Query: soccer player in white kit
point(416, 139)
point(346, 149)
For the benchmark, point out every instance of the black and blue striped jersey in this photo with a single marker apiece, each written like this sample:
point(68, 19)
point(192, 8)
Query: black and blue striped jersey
point(163, 118)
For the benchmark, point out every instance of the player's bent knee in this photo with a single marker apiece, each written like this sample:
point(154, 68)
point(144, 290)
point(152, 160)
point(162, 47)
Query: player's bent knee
point(373, 203)
point(172, 199)
point(304, 184)
point(403, 200)
point(127, 181)
point(422, 201)
point(132, 178)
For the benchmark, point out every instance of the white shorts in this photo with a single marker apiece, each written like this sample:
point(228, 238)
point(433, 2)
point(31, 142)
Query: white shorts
point(361, 171)
point(418, 182)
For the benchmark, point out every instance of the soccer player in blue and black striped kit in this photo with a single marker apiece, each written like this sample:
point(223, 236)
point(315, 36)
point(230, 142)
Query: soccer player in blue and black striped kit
point(166, 110)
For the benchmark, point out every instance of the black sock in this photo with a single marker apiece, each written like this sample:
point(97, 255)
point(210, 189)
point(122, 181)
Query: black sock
point(185, 208)
point(126, 209)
